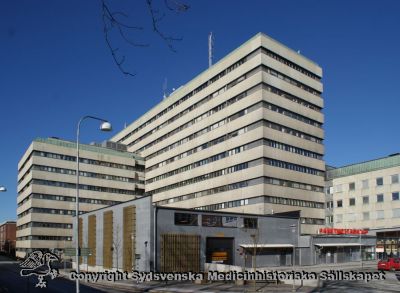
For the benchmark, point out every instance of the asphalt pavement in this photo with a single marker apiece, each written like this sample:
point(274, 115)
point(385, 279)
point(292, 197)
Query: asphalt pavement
point(11, 281)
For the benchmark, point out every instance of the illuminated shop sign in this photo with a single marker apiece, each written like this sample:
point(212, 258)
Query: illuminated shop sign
point(341, 231)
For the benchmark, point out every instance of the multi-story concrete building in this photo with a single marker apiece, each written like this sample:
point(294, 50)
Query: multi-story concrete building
point(7, 237)
point(47, 188)
point(366, 195)
point(246, 135)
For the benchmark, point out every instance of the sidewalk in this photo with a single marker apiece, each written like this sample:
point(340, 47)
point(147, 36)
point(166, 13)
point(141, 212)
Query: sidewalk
point(321, 267)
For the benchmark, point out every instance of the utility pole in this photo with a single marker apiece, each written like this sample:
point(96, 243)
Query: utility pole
point(361, 259)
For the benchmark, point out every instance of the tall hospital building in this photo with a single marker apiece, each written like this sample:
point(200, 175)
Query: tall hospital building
point(246, 135)
point(47, 188)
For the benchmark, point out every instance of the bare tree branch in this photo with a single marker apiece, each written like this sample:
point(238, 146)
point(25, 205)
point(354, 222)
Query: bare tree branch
point(112, 21)
point(176, 6)
point(156, 18)
point(109, 22)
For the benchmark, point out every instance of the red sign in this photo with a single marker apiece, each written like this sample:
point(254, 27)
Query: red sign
point(341, 231)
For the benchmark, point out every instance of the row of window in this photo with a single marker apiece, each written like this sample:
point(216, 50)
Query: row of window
point(236, 168)
point(293, 202)
point(292, 81)
point(291, 97)
point(45, 237)
point(242, 131)
point(206, 145)
point(68, 198)
point(223, 205)
point(229, 119)
point(293, 167)
point(204, 177)
point(190, 219)
point(365, 199)
point(137, 167)
point(187, 96)
point(86, 174)
point(291, 114)
point(219, 108)
point(292, 131)
point(312, 221)
point(193, 108)
point(290, 64)
point(137, 191)
point(267, 142)
point(365, 216)
point(217, 77)
point(204, 131)
point(47, 211)
point(45, 225)
point(292, 149)
point(394, 179)
point(201, 163)
point(242, 184)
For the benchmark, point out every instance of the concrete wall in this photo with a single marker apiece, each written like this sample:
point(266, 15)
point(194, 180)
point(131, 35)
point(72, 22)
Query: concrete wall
point(272, 230)
point(143, 236)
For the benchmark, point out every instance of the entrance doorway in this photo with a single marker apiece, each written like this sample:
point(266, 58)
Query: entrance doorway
point(219, 250)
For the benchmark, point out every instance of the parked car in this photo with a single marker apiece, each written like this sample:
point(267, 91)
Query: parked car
point(390, 264)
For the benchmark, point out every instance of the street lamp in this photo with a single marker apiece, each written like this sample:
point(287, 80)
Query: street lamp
point(294, 228)
point(3, 189)
point(105, 126)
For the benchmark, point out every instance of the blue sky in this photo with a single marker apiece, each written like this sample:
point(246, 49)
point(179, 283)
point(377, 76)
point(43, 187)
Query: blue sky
point(55, 67)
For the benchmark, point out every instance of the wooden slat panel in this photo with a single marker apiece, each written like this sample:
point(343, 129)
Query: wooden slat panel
point(129, 244)
point(108, 239)
point(180, 252)
point(92, 240)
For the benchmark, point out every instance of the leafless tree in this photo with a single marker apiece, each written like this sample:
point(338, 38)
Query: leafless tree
point(116, 20)
point(117, 244)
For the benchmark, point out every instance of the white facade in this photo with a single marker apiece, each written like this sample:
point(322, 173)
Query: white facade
point(46, 189)
point(246, 135)
point(366, 195)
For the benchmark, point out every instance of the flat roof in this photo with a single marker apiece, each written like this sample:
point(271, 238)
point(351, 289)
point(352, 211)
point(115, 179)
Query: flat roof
point(87, 147)
point(364, 167)
point(8, 222)
point(285, 245)
point(277, 215)
point(341, 244)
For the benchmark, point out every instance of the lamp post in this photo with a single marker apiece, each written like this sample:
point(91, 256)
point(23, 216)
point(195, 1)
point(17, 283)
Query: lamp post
point(3, 189)
point(294, 228)
point(105, 126)
point(361, 259)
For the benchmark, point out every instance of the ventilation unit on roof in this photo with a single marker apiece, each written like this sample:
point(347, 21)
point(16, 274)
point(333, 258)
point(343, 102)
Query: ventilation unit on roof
point(114, 146)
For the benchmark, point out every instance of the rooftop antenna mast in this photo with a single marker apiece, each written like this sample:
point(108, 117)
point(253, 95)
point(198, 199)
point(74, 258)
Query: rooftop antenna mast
point(165, 85)
point(210, 48)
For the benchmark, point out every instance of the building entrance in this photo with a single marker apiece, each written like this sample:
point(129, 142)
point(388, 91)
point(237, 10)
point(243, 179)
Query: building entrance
point(219, 250)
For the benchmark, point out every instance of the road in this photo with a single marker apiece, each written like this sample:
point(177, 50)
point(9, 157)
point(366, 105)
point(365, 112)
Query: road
point(391, 284)
point(11, 281)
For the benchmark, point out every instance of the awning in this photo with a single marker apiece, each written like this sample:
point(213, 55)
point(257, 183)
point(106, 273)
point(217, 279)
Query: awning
point(267, 245)
point(340, 244)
